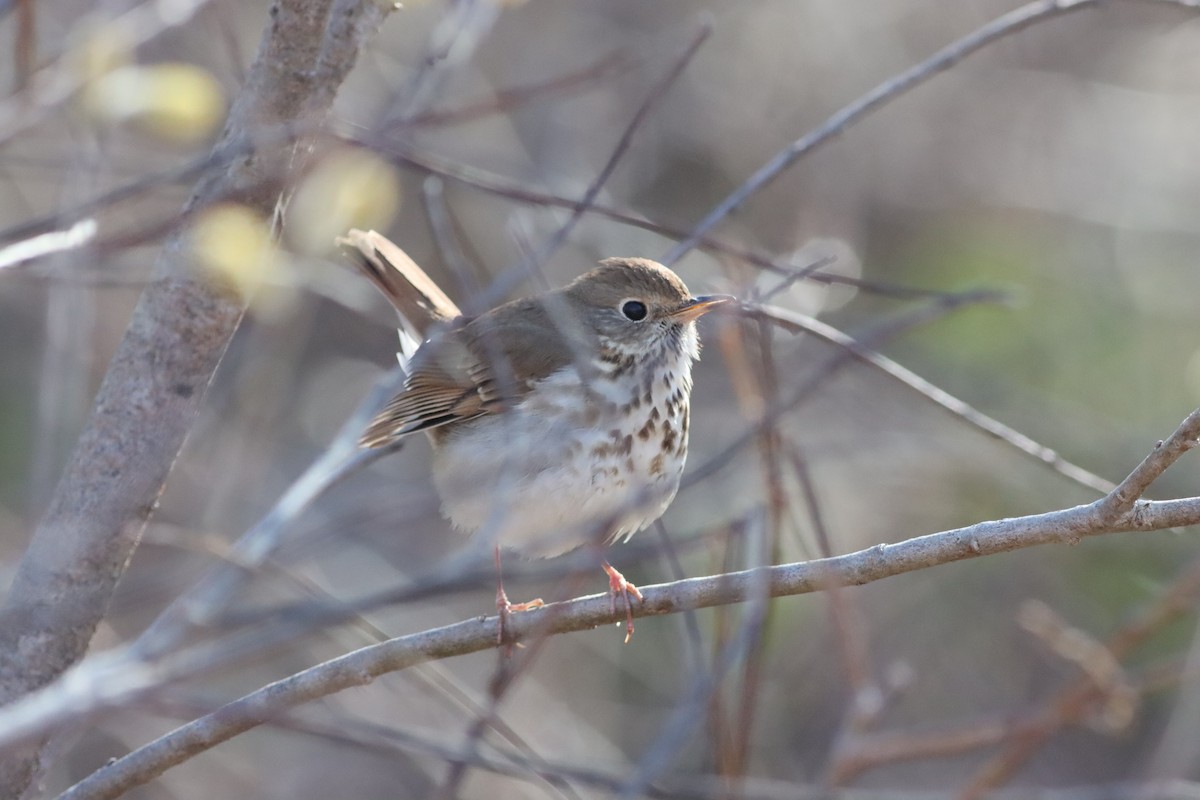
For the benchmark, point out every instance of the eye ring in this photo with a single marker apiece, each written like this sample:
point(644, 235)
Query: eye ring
point(634, 310)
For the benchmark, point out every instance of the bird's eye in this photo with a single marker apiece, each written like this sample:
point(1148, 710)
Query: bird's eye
point(634, 310)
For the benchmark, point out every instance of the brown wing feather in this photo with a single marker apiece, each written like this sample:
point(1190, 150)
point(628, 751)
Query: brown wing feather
point(453, 381)
point(410, 412)
point(440, 390)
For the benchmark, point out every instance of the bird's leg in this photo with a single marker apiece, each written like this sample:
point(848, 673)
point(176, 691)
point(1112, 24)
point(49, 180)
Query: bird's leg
point(503, 607)
point(617, 585)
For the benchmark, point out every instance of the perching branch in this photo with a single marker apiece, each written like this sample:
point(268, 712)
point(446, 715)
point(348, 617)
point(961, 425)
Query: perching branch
point(1114, 513)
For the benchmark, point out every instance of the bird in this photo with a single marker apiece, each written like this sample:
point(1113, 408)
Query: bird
point(557, 420)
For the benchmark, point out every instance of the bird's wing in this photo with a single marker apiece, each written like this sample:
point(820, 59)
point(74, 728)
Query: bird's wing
point(471, 370)
point(441, 389)
point(516, 346)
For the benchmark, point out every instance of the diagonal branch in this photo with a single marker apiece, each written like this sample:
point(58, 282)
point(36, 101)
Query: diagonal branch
point(1005, 25)
point(796, 322)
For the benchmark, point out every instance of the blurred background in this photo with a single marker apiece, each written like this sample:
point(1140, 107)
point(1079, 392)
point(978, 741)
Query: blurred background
point(1059, 166)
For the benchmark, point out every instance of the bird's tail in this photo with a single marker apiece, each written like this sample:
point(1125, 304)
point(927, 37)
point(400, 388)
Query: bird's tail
point(419, 301)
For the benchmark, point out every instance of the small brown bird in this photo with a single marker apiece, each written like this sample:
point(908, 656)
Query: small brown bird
point(557, 420)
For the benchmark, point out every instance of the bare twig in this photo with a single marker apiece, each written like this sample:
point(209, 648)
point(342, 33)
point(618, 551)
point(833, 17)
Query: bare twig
point(451, 41)
point(685, 719)
point(1093, 659)
point(1121, 499)
point(73, 238)
point(484, 181)
point(796, 322)
point(753, 377)
point(891, 89)
point(849, 627)
point(1023, 740)
point(506, 101)
point(861, 752)
point(1023, 734)
point(23, 52)
point(652, 98)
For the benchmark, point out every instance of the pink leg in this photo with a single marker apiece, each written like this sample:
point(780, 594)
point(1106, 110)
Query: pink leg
point(618, 586)
point(503, 607)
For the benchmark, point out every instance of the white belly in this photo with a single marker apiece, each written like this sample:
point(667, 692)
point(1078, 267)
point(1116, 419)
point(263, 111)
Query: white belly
point(548, 476)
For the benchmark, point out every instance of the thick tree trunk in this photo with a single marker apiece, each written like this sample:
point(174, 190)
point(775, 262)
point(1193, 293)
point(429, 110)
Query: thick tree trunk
point(157, 380)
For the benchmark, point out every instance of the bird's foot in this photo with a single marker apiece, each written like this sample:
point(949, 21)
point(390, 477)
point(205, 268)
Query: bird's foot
point(619, 587)
point(505, 608)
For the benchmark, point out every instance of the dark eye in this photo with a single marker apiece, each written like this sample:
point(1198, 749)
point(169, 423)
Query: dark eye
point(634, 310)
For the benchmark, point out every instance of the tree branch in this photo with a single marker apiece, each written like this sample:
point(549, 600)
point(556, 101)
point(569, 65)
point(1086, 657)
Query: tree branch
point(360, 667)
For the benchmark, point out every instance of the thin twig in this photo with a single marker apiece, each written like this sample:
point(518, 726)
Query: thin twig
point(1075, 702)
point(1024, 733)
point(884, 93)
point(656, 93)
point(891, 89)
point(202, 604)
point(1122, 498)
point(796, 322)
point(46, 244)
point(507, 101)
point(412, 158)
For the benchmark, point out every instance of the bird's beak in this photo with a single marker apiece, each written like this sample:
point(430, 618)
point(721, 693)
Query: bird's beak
point(699, 306)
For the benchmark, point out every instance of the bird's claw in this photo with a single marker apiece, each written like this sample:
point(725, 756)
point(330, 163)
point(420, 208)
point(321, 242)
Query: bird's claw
point(617, 585)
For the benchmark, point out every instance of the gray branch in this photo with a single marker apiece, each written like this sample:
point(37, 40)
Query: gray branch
point(1116, 512)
